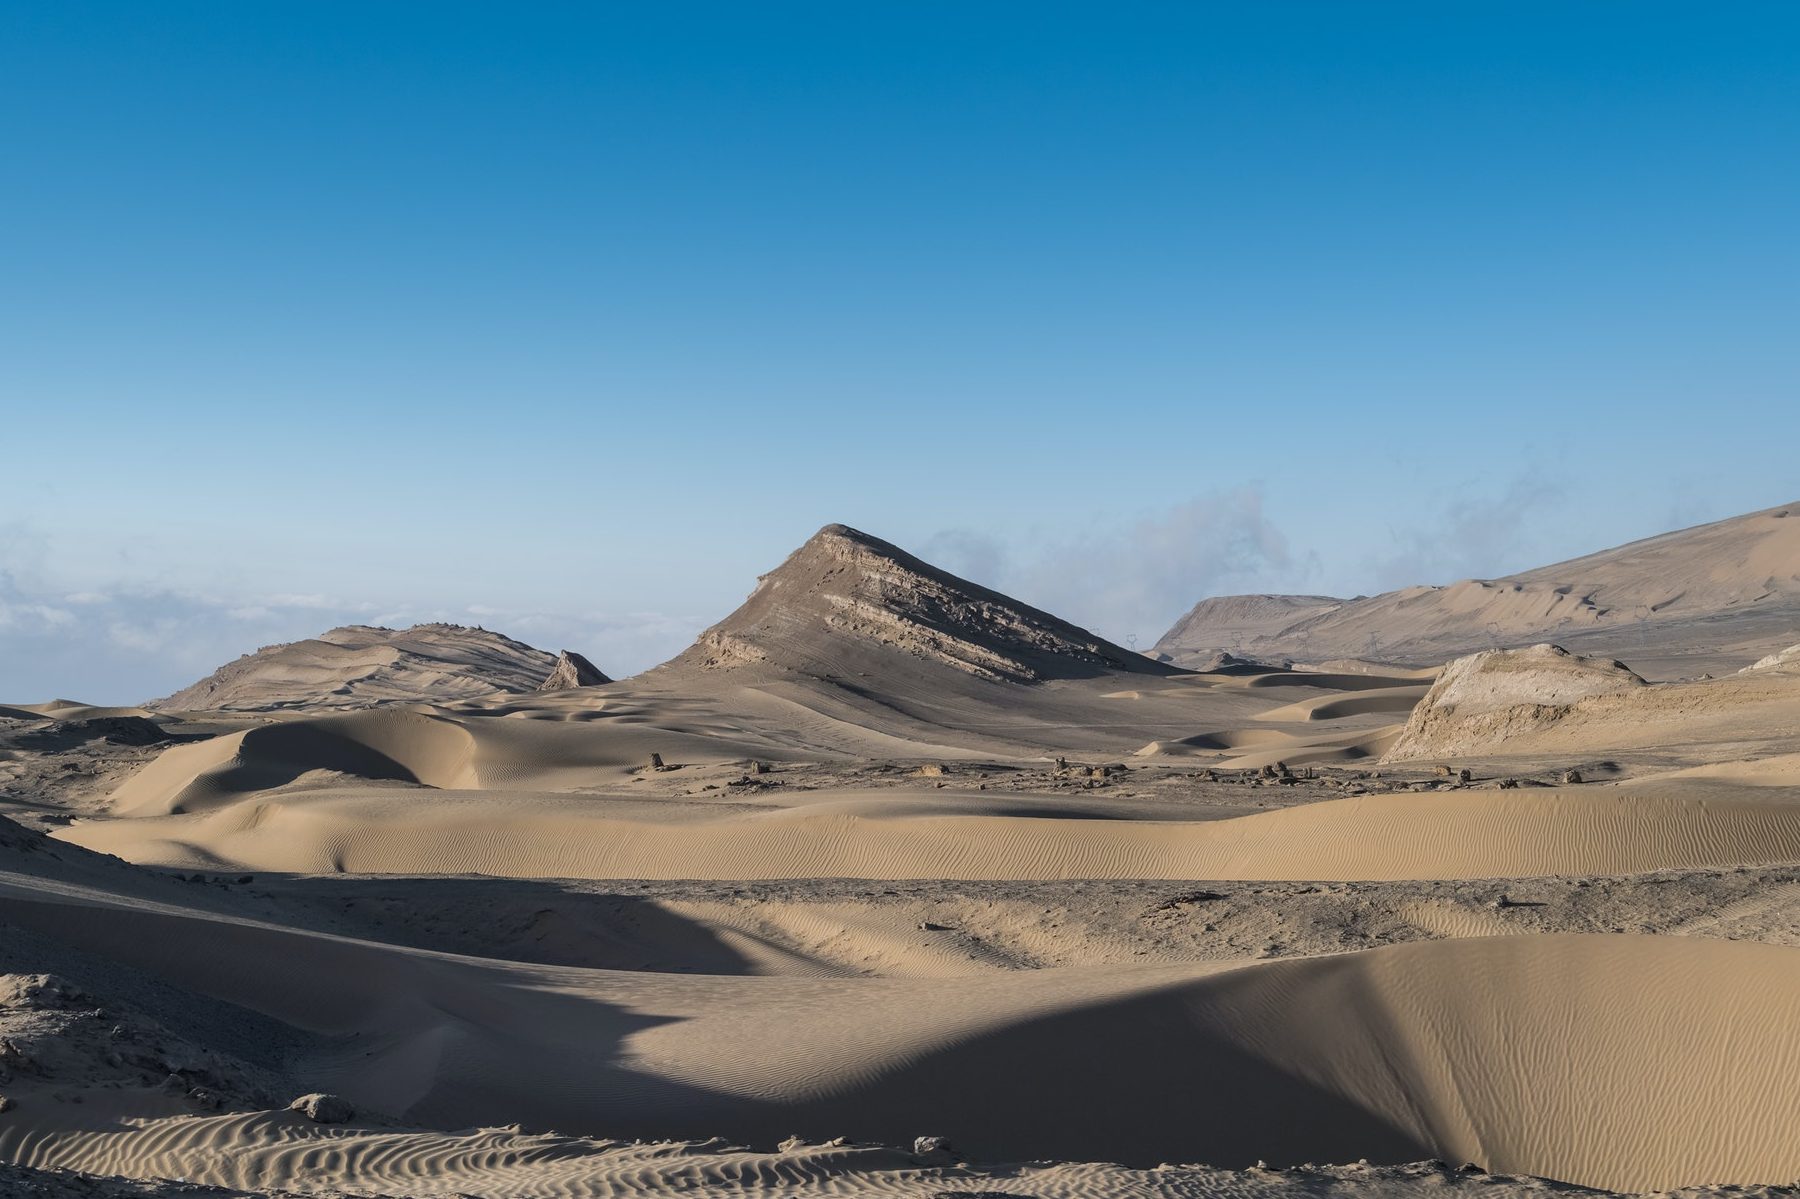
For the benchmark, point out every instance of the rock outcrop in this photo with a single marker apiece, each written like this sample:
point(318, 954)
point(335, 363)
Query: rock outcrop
point(1788, 658)
point(360, 666)
point(1485, 699)
point(572, 670)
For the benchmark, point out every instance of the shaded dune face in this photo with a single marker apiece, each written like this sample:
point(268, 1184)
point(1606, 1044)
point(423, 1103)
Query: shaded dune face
point(1526, 1053)
point(392, 745)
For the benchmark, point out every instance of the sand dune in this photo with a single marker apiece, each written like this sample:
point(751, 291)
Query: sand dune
point(1516, 1052)
point(1380, 701)
point(940, 834)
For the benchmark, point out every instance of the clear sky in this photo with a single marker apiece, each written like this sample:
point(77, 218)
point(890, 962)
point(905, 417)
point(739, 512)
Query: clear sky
point(571, 319)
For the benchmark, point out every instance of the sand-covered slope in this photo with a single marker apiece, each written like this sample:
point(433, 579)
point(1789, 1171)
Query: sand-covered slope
point(850, 604)
point(360, 666)
point(1706, 598)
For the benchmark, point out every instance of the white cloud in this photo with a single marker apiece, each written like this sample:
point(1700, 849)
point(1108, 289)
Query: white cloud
point(1136, 579)
point(1476, 536)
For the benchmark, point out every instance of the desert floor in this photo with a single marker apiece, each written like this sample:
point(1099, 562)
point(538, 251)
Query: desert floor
point(1140, 921)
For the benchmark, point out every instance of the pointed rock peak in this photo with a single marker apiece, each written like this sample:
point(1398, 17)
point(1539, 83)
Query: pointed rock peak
point(572, 670)
point(848, 604)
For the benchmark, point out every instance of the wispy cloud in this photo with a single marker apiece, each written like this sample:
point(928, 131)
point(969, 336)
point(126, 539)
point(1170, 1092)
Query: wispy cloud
point(1136, 579)
point(1476, 536)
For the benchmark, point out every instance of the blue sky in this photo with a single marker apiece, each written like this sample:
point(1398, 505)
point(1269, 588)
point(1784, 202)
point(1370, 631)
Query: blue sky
point(570, 319)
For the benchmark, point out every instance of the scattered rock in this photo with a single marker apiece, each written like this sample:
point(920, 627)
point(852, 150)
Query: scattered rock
point(1571, 776)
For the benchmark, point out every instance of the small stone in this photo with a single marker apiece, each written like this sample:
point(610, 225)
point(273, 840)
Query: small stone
point(6, 1103)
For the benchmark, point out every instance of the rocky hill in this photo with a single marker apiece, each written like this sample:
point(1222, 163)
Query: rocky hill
point(1713, 597)
point(852, 605)
point(360, 666)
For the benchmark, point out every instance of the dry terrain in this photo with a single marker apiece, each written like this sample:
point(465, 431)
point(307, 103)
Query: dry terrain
point(888, 856)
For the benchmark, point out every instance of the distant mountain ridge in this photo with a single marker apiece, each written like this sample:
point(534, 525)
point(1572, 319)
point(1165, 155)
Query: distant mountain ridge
point(1698, 597)
point(360, 666)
